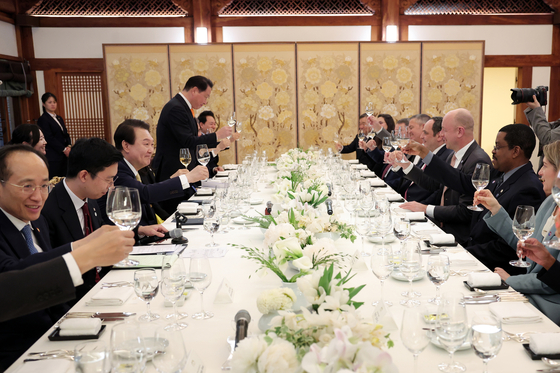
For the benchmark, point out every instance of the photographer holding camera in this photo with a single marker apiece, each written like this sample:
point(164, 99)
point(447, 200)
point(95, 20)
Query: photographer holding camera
point(546, 132)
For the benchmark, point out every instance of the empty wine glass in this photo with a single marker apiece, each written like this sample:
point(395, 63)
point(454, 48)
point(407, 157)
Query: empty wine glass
point(384, 226)
point(125, 211)
point(363, 228)
point(128, 352)
point(244, 206)
point(486, 337)
point(146, 286)
point(200, 275)
point(480, 179)
point(382, 266)
point(172, 355)
point(401, 228)
point(452, 328)
point(185, 156)
point(411, 264)
point(523, 227)
point(414, 334)
point(336, 139)
point(173, 279)
point(438, 273)
point(369, 109)
point(211, 225)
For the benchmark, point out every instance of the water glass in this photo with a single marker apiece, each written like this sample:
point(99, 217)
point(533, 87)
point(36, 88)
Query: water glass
point(411, 265)
point(92, 357)
point(128, 352)
point(486, 337)
point(414, 334)
point(173, 279)
point(452, 328)
point(172, 357)
point(382, 266)
point(438, 273)
point(146, 287)
point(211, 225)
point(200, 275)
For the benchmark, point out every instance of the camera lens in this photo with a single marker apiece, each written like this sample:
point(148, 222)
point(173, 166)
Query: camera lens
point(519, 95)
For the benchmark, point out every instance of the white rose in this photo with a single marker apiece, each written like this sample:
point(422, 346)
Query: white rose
point(247, 353)
point(279, 357)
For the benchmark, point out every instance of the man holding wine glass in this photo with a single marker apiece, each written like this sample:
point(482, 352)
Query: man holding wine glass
point(207, 125)
point(354, 146)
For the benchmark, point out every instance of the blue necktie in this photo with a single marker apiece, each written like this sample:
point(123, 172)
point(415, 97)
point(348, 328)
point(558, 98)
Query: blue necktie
point(29, 239)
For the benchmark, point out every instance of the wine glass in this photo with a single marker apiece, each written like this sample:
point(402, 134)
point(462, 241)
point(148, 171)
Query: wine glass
point(350, 204)
point(244, 206)
point(239, 126)
point(411, 264)
point(171, 356)
point(480, 179)
point(401, 228)
point(128, 352)
point(173, 278)
point(438, 273)
point(202, 154)
point(232, 119)
point(384, 226)
point(125, 211)
point(523, 227)
point(361, 136)
point(403, 140)
point(486, 337)
point(185, 156)
point(211, 225)
point(200, 275)
point(336, 139)
point(382, 266)
point(369, 109)
point(146, 286)
point(92, 357)
point(363, 227)
point(387, 145)
point(452, 328)
point(414, 334)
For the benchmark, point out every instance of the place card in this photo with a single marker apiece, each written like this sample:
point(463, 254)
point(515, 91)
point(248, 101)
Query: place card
point(194, 364)
point(225, 293)
point(358, 263)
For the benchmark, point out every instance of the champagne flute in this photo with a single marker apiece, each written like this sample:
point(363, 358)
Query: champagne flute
point(211, 225)
point(185, 156)
point(414, 334)
point(452, 328)
point(486, 337)
point(480, 180)
point(171, 356)
point(128, 352)
point(146, 287)
point(125, 211)
point(200, 275)
point(411, 264)
point(173, 278)
point(369, 109)
point(382, 266)
point(523, 227)
point(438, 273)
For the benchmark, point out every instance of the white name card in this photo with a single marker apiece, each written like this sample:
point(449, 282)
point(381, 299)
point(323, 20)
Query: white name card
point(194, 364)
point(225, 293)
point(358, 263)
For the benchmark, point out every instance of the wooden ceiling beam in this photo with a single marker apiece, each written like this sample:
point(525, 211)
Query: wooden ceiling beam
point(24, 6)
point(7, 6)
point(374, 20)
point(115, 21)
point(452, 20)
point(520, 60)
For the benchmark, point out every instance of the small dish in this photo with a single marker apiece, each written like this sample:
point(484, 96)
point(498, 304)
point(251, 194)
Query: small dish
point(503, 286)
point(464, 346)
point(539, 357)
point(256, 201)
point(377, 239)
point(55, 335)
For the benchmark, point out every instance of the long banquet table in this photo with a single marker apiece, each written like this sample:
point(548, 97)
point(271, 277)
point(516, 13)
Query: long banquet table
point(207, 338)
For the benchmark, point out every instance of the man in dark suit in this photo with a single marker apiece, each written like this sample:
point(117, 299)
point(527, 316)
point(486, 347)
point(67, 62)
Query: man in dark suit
point(207, 125)
point(132, 137)
point(361, 155)
point(71, 209)
point(448, 207)
point(24, 240)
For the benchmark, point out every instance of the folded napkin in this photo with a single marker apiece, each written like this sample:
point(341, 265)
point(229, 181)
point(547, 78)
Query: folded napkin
point(377, 182)
point(48, 365)
point(393, 197)
point(359, 167)
point(442, 238)
point(461, 259)
point(204, 192)
point(514, 313)
point(222, 173)
point(367, 173)
point(111, 297)
point(415, 215)
point(545, 343)
point(230, 167)
point(484, 279)
point(79, 326)
point(188, 208)
point(353, 161)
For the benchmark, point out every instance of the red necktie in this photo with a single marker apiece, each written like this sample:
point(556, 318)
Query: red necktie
point(88, 229)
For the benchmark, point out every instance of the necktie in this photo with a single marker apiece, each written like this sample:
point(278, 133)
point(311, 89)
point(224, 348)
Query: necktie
point(499, 182)
point(138, 178)
point(192, 112)
point(453, 160)
point(88, 227)
point(29, 239)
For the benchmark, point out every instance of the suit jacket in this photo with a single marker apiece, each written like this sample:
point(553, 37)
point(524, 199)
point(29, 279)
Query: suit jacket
point(453, 216)
point(148, 177)
point(64, 227)
point(57, 140)
point(35, 288)
point(177, 129)
point(551, 277)
point(539, 294)
point(161, 191)
point(19, 334)
point(361, 155)
point(544, 131)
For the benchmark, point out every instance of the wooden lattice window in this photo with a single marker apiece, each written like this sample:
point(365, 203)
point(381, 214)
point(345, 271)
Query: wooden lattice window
point(81, 104)
point(108, 8)
point(474, 7)
point(295, 7)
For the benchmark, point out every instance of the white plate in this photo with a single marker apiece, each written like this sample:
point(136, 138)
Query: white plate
point(400, 277)
point(256, 201)
point(464, 346)
point(241, 221)
point(376, 239)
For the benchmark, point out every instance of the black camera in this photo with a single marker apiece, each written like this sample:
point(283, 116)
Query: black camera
point(519, 95)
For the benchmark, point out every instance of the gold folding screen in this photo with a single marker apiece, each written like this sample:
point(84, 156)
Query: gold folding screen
point(288, 94)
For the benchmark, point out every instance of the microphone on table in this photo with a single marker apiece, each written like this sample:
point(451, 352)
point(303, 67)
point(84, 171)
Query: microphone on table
point(330, 189)
point(268, 209)
point(328, 202)
point(242, 320)
point(176, 235)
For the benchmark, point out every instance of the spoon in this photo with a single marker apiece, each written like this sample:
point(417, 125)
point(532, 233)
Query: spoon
point(551, 363)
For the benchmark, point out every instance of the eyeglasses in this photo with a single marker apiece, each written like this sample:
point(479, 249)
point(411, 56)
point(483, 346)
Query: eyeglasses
point(496, 148)
point(112, 181)
point(29, 189)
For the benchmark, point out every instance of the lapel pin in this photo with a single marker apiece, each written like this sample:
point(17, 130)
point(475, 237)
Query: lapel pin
point(38, 230)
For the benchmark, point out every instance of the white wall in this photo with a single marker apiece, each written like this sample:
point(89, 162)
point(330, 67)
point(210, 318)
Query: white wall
point(40, 86)
point(8, 43)
point(293, 33)
point(70, 42)
point(500, 39)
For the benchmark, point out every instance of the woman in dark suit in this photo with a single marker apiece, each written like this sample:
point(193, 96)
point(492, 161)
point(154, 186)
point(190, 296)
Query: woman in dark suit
point(58, 139)
point(29, 134)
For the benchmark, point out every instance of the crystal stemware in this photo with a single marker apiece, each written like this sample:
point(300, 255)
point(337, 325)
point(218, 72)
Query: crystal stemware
point(438, 273)
point(452, 329)
point(125, 211)
point(414, 334)
point(128, 351)
point(486, 337)
point(411, 264)
point(185, 156)
point(146, 286)
point(173, 279)
point(480, 180)
point(172, 355)
point(523, 227)
point(200, 275)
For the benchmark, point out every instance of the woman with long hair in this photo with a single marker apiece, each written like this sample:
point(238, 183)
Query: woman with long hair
point(29, 134)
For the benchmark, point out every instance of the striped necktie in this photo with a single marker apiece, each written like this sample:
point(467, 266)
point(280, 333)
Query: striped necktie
point(26, 231)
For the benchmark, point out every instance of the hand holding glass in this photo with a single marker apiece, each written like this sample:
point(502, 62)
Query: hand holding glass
point(480, 180)
point(523, 227)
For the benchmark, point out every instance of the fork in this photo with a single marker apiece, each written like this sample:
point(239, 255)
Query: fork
point(227, 364)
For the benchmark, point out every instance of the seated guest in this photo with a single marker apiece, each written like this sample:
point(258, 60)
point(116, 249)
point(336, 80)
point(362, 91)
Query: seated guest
point(361, 155)
point(499, 221)
point(512, 181)
point(35, 288)
point(383, 125)
point(402, 125)
point(24, 240)
point(132, 137)
point(29, 134)
point(207, 125)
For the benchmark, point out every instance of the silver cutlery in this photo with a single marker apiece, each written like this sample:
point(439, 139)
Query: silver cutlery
point(227, 364)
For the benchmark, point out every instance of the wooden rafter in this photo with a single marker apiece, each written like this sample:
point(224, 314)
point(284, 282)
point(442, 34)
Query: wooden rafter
point(405, 4)
point(25, 6)
point(186, 5)
point(373, 5)
point(554, 4)
point(218, 5)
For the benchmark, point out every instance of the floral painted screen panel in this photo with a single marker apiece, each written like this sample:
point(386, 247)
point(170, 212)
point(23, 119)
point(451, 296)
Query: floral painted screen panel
point(328, 92)
point(213, 62)
point(452, 78)
point(390, 78)
point(265, 97)
point(137, 83)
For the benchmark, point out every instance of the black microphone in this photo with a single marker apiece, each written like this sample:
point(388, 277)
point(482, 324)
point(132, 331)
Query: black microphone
point(174, 233)
point(329, 186)
point(242, 320)
point(328, 202)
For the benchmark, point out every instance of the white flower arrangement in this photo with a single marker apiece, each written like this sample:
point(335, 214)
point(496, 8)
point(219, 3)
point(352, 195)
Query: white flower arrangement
point(275, 300)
